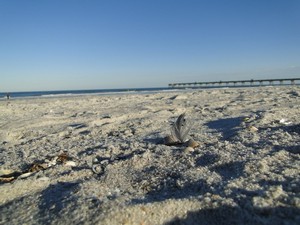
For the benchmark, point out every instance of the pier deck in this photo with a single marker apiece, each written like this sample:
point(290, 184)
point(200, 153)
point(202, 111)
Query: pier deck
point(291, 81)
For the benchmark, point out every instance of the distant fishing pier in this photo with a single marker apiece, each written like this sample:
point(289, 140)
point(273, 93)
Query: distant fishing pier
point(261, 82)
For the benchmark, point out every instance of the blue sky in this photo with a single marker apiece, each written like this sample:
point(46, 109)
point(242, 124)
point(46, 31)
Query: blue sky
point(60, 44)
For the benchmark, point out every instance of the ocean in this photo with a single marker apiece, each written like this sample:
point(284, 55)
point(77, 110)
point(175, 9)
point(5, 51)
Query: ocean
point(65, 93)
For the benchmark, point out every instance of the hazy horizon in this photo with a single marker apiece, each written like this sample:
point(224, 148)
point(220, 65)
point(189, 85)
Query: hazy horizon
point(76, 45)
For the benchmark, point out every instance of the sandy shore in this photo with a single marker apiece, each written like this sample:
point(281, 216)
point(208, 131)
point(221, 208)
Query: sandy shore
point(245, 171)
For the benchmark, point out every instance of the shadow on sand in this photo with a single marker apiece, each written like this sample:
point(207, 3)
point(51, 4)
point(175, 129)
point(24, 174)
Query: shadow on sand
point(227, 127)
point(169, 190)
point(41, 207)
point(56, 198)
point(236, 215)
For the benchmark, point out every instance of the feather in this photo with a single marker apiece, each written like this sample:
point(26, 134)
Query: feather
point(181, 128)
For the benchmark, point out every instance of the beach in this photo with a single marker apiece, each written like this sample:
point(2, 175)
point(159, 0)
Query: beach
point(104, 160)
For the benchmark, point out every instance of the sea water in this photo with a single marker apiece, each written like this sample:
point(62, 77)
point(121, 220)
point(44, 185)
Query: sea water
point(65, 93)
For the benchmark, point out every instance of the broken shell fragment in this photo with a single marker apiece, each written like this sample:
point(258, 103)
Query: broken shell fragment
point(98, 166)
point(285, 122)
point(52, 162)
point(192, 143)
point(25, 175)
point(70, 163)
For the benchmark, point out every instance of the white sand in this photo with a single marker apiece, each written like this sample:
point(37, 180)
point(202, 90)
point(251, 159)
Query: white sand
point(239, 175)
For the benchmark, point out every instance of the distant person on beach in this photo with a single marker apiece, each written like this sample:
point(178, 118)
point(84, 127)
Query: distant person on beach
point(7, 96)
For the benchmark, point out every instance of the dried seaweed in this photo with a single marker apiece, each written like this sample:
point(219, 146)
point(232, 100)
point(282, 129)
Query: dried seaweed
point(10, 175)
point(181, 128)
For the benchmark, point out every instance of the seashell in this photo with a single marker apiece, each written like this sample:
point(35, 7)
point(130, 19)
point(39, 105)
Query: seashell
point(70, 163)
point(52, 162)
point(192, 143)
point(25, 175)
point(98, 169)
point(188, 150)
point(285, 122)
point(253, 128)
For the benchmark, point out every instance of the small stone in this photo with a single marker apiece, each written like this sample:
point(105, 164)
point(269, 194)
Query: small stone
point(246, 119)
point(106, 116)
